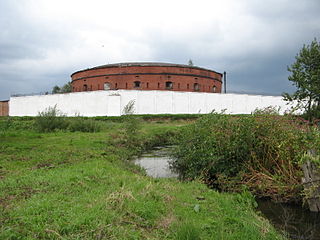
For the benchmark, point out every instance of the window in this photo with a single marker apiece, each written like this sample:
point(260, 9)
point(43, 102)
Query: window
point(137, 84)
point(178, 85)
point(107, 86)
point(116, 86)
point(214, 89)
point(85, 87)
point(169, 85)
point(187, 86)
point(126, 85)
point(196, 87)
point(158, 85)
point(147, 85)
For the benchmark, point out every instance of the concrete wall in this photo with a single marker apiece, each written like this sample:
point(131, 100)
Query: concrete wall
point(112, 103)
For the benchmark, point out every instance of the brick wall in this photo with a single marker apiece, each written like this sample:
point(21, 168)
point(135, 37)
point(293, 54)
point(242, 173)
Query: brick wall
point(147, 77)
point(4, 108)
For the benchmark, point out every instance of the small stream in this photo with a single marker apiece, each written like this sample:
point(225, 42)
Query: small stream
point(295, 221)
point(156, 163)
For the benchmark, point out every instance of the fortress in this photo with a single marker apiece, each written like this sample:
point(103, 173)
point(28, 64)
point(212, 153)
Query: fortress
point(147, 76)
point(155, 88)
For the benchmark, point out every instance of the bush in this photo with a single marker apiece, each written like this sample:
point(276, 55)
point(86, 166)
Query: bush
point(51, 119)
point(261, 151)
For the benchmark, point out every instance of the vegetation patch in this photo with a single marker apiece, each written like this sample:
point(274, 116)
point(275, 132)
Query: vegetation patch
point(260, 151)
point(81, 185)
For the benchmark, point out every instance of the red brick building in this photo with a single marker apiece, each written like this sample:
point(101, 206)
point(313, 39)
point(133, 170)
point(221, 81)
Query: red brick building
point(147, 76)
point(4, 108)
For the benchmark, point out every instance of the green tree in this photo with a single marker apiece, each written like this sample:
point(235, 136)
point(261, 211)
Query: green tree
point(305, 76)
point(56, 89)
point(66, 88)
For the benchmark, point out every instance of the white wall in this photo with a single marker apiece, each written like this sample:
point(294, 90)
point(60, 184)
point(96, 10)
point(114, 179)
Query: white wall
point(112, 103)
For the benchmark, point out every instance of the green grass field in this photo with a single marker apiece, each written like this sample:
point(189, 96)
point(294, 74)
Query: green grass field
point(74, 185)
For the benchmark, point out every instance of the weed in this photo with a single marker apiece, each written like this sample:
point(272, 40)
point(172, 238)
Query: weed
point(51, 119)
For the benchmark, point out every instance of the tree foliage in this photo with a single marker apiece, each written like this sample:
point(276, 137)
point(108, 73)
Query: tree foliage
point(64, 89)
point(305, 76)
point(56, 89)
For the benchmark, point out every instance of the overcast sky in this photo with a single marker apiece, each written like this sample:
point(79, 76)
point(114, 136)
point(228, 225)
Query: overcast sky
point(42, 42)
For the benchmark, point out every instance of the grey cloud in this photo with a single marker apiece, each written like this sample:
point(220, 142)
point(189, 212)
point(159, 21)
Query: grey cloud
point(257, 63)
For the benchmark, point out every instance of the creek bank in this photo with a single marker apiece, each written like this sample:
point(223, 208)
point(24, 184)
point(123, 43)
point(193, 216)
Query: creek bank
point(293, 220)
point(261, 151)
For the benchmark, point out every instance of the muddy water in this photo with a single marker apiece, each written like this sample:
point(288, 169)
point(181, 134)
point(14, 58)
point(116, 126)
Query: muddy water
point(156, 163)
point(295, 221)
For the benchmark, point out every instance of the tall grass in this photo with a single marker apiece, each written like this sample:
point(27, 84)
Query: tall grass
point(261, 151)
point(52, 119)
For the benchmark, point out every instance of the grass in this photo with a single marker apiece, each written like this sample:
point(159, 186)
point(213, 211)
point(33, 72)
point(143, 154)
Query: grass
point(75, 185)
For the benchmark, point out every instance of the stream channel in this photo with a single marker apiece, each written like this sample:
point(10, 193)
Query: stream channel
point(295, 221)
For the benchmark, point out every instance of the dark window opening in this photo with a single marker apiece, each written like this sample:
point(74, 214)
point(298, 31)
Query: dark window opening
point(147, 85)
point(158, 85)
point(178, 85)
point(107, 77)
point(116, 85)
point(137, 84)
point(196, 86)
point(90, 87)
point(126, 85)
point(137, 76)
point(169, 85)
point(187, 86)
point(85, 87)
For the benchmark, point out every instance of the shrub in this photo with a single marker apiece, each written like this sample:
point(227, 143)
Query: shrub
point(131, 125)
point(51, 119)
point(261, 151)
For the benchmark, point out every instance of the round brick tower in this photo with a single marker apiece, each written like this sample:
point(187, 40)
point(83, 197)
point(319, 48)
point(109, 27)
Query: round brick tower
point(147, 76)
